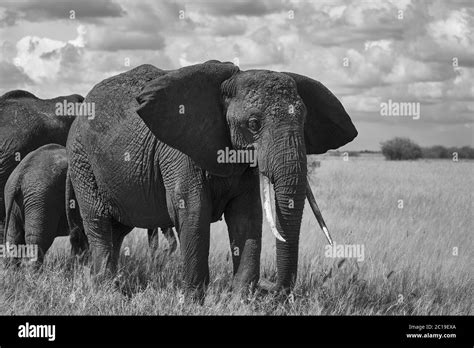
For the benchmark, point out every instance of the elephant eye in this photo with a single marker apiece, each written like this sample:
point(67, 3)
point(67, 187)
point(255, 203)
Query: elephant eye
point(254, 124)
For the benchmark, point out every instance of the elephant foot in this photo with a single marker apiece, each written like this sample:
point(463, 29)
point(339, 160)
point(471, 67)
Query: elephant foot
point(244, 288)
point(266, 287)
point(101, 277)
point(244, 293)
point(79, 243)
point(12, 262)
point(81, 256)
point(102, 281)
point(120, 284)
point(195, 295)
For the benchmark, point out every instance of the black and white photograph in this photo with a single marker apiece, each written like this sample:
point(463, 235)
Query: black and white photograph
point(303, 160)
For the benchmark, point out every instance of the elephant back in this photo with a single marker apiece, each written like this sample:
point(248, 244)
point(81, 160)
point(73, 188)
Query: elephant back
point(114, 98)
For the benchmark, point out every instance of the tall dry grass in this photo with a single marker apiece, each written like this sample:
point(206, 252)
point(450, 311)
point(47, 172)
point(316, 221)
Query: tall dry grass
point(410, 264)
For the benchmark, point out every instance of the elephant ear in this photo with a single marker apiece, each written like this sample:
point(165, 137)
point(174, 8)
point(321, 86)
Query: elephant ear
point(183, 109)
point(328, 126)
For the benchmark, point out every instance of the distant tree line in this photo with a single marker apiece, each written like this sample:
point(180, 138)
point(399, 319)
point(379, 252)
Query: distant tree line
point(348, 153)
point(405, 149)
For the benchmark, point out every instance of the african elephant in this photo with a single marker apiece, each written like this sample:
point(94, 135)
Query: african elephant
point(26, 123)
point(35, 200)
point(153, 156)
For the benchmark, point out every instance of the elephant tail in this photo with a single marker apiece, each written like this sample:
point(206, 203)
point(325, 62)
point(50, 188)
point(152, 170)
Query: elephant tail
point(77, 235)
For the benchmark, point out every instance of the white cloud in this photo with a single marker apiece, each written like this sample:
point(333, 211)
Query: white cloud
point(426, 90)
point(384, 44)
point(80, 40)
point(407, 60)
point(31, 51)
point(336, 11)
point(462, 87)
point(455, 30)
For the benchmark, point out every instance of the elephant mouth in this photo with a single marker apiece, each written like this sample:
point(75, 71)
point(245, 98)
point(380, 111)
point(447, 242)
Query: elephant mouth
point(312, 202)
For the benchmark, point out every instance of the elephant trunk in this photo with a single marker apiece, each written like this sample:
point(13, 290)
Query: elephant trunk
point(289, 179)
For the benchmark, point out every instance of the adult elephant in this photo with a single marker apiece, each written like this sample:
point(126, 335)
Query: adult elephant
point(152, 157)
point(26, 123)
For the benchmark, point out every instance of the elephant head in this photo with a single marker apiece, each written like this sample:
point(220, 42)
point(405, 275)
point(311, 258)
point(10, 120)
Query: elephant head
point(204, 108)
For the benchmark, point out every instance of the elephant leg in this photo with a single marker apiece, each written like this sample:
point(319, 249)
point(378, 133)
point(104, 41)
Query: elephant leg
point(195, 252)
point(74, 223)
point(171, 239)
point(43, 243)
point(79, 243)
point(16, 232)
point(3, 233)
point(153, 239)
point(4, 174)
point(153, 242)
point(104, 234)
point(243, 216)
point(194, 232)
point(105, 239)
point(41, 228)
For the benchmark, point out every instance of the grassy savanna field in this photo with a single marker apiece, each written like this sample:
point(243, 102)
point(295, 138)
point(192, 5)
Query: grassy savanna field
point(410, 267)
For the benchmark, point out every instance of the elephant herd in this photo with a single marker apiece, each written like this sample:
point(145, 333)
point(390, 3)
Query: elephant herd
point(33, 205)
point(141, 150)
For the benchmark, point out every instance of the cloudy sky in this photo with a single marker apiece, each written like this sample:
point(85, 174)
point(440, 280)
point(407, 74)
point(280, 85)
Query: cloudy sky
point(366, 52)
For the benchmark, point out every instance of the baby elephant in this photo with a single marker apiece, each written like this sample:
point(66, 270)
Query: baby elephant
point(35, 201)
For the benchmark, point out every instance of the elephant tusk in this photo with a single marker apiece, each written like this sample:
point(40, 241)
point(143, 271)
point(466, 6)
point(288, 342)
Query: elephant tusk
point(175, 234)
point(268, 209)
point(317, 212)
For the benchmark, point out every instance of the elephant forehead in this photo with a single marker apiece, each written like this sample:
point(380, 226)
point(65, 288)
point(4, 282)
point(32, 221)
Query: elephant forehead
point(273, 97)
point(274, 90)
